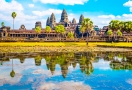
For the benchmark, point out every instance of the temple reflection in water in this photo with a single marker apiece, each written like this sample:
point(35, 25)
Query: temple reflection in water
point(118, 61)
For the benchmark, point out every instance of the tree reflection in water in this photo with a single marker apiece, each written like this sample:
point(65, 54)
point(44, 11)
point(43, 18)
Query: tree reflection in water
point(118, 61)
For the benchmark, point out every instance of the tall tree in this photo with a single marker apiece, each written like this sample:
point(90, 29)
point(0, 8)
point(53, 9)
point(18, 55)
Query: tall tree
point(82, 30)
point(48, 30)
point(70, 35)
point(12, 73)
point(114, 25)
point(57, 30)
point(88, 25)
point(109, 32)
point(13, 16)
point(60, 29)
point(121, 26)
point(119, 33)
point(128, 26)
point(38, 30)
point(2, 24)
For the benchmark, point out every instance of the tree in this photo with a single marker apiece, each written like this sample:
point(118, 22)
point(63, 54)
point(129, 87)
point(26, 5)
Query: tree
point(128, 26)
point(70, 35)
point(114, 25)
point(121, 26)
point(59, 30)
point(38, 30)
point(38, 60)
point(12, 73)
point(48, 30)
point(109, 32)
point(13, 16)
point(88, 25)
point(62, 29)
point(2, 24)
point(119, 33)
point(82, 30)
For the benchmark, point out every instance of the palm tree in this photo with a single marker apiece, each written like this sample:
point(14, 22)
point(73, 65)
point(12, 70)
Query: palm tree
point(13, 16)
point(82, 30)
point(38, 30)
point(114, 25)
point(2, 24)
point(88, 25)
point(12, 73)
point(47, 30)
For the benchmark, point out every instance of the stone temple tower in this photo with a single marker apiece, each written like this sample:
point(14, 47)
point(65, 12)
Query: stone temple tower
point(48, 22)
point(64, 16)
point(38, 23)
point(81, 19)
point(74, 21)
point(52, 21)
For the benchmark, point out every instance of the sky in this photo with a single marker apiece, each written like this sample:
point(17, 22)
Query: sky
point(101, 12)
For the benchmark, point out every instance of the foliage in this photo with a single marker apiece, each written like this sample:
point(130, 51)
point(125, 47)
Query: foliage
point(12, 73)
point(38, 29)
point(114, 25)
point(38, 58)
point(48, 29)
point(2, 24)
point(70, 35)
point(82, 30)
point(87, 24)
point(109, 32)
point(60, 29)
point(119, 33)
point(128, 26)
point(14, 15)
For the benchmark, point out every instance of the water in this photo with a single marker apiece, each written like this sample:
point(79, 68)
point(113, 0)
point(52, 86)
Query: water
point(66, 71)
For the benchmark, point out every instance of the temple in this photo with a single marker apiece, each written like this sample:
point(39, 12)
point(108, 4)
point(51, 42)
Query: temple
point(70, 26)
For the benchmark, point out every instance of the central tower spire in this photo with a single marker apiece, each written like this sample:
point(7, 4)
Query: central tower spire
point(64, 16)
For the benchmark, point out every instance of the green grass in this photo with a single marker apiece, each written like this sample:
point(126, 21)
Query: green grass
point(54, 44)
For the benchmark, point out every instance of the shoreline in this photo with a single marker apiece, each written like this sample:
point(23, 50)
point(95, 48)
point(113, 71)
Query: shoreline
point(23, 47)
point(61, 49)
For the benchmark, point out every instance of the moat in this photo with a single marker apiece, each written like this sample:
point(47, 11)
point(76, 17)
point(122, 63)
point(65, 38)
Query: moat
point(66, 71)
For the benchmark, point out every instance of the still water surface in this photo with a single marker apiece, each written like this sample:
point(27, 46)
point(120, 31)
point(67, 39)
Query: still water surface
point(66, 71)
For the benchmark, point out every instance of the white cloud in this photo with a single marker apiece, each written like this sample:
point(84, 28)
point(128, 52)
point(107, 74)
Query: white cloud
point(127, 15)
point(129, 81)
point(103, 65)
point(128, 4)
point(31, 5)
point(107, 16)
point(10, 6)
point(66, 85)
point(47, 12)
point(65, 2)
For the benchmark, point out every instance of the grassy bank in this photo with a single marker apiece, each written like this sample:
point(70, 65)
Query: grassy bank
point(20, 47)
point(58, 44)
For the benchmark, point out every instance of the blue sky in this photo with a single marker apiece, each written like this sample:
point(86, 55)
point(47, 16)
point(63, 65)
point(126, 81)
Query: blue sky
point(30, 11)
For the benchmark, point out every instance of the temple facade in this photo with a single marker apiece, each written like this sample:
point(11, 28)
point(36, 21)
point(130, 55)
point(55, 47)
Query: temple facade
point(70, 26)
